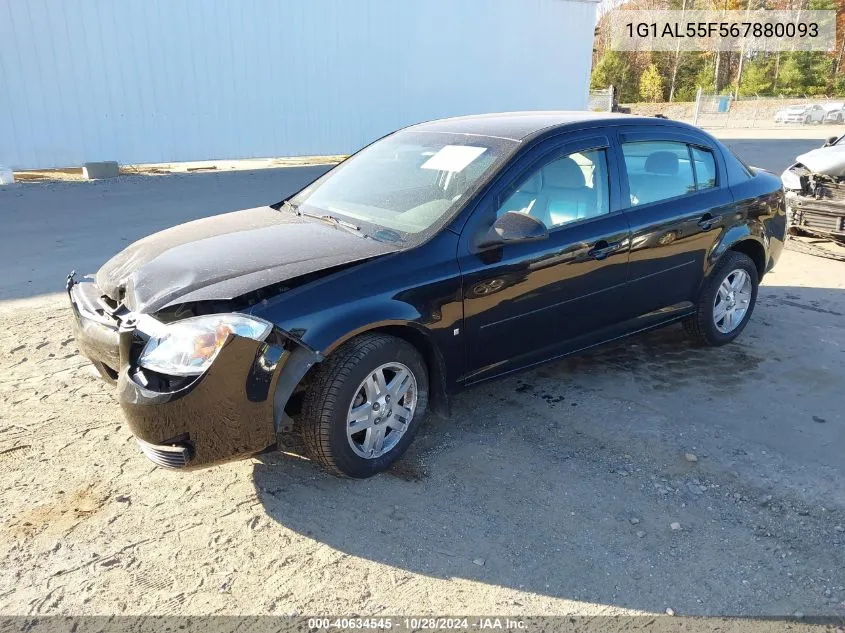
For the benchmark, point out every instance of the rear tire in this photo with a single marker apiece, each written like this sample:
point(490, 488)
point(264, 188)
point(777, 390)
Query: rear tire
point(345, 394)
point(731, 287)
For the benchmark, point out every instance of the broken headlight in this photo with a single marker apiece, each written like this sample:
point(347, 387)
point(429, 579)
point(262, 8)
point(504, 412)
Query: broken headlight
point(791, 180)
point(188, 347)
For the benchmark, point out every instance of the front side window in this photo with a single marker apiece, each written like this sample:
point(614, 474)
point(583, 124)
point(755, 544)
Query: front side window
point(657, 170)
point(406, 183)
point(564, 190)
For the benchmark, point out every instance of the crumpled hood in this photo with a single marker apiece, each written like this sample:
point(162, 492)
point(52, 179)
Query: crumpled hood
point(829, 161)
point(225, 256)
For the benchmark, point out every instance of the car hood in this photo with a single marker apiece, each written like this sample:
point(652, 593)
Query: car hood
point(829, 161)
point(226, 256)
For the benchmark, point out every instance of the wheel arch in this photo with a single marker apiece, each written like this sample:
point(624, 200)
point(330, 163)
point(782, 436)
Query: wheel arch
point(746, 239)
point(420, 340)
point(755, 251)
point(411, 333)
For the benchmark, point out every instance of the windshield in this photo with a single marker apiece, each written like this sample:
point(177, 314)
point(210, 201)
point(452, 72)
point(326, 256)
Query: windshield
point(405, 185)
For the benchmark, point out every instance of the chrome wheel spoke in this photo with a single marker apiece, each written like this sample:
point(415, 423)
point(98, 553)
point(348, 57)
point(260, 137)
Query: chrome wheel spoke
point(371, 388)
point(378, 375)
point(396, 423)
point(719, 311)
point(738, 280)
point(381, 410)
point(374, 441)
point(399, 385)
point(359, 418)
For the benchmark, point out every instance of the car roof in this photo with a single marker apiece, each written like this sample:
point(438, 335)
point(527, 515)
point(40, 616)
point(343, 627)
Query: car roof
point(517, 126)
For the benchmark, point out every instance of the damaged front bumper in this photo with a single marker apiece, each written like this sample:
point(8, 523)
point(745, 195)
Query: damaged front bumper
point(234, 409)
point(817, 208)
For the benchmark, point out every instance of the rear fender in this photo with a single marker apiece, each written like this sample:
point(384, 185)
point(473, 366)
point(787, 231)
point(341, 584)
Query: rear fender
point(734, 235)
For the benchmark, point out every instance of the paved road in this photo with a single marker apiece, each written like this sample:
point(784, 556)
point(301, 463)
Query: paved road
point(49, 229)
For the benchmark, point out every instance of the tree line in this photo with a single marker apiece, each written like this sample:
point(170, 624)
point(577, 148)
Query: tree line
point(675, 76)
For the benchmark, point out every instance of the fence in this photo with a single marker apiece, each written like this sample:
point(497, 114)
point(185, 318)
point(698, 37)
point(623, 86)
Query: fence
point(601, 100)
point(725, 111)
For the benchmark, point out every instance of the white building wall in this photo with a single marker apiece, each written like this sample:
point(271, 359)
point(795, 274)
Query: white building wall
point(172, 80)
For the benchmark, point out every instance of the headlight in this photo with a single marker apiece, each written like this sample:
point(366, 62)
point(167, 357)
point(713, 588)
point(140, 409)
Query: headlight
point(790, 180)
point(187, 348)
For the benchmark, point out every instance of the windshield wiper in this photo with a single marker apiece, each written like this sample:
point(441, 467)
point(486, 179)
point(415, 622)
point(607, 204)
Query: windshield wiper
point(352, 228)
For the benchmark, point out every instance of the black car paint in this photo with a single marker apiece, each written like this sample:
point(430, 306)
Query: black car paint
point(543, 299)
point(226, 256)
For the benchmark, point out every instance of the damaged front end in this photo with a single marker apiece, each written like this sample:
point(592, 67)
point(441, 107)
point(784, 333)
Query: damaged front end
point(815, 193)
point(198, 386)
point(816, 203)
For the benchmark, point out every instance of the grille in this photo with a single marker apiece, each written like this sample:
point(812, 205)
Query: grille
point(166, 456)
point(822, 222)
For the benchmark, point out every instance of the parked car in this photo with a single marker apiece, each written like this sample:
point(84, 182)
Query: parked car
point(815, 190)
point(441, 256)
point(805, 114)
point(834, 112)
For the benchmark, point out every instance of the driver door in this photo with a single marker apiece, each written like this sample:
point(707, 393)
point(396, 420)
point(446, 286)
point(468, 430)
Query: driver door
point(528, 302)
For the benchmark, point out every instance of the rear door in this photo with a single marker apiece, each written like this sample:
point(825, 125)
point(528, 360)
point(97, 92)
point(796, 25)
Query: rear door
point(676, 201)
point(525, 303)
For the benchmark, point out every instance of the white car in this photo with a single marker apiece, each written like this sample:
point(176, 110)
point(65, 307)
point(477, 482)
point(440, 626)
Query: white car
point(801, 114)
point(834, 112)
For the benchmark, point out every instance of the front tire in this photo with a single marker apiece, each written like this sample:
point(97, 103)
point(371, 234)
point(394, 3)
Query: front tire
point(726, 301)
point(364, 405)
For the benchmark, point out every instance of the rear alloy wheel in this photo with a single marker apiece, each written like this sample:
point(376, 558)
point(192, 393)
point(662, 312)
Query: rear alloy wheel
point(364, 405)
point(733, 298)
point(726, 301)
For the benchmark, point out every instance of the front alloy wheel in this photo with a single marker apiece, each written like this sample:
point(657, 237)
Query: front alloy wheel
point(364, 404)
point(381, 410)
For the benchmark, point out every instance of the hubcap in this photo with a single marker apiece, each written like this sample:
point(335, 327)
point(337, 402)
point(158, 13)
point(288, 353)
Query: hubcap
point(732, 301)
point(381, 410)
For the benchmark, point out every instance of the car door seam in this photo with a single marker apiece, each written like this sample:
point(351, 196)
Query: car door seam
point(554, 305)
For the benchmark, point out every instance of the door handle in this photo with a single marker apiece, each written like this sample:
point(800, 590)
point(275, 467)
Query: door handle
point(706, 222)
point(602, 249)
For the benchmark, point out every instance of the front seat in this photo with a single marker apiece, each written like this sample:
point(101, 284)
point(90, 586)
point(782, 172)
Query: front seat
point(565, 193)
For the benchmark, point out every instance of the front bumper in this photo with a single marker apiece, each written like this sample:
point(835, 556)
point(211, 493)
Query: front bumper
point(819, 216)
point(226, 413)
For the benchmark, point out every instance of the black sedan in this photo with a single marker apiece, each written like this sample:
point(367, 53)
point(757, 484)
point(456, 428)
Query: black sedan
point(443, 255)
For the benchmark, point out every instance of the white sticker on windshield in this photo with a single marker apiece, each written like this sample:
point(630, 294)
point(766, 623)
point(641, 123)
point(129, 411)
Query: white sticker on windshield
point(453, 158)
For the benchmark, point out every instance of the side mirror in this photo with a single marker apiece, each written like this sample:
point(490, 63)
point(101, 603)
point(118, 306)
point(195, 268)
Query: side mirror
point(511, 228)
point(830, 141)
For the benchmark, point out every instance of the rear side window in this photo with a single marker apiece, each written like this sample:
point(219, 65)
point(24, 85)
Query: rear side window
point(705, 167)
point(658, 170)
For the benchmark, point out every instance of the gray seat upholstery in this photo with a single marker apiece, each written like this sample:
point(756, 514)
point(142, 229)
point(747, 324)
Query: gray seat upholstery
point(565, 194)
point(662, 179)
point(556, 194)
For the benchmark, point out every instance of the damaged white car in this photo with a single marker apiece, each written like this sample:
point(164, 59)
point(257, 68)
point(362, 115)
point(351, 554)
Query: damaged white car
point(815, 188)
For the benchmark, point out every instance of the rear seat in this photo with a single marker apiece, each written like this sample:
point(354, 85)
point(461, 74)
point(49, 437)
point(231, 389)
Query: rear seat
point(661, 179)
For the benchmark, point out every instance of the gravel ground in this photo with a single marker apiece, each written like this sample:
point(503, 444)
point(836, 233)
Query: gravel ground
point(644, 476)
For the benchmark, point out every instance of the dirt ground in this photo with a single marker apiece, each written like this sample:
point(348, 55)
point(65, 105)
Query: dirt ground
point(553, 491)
